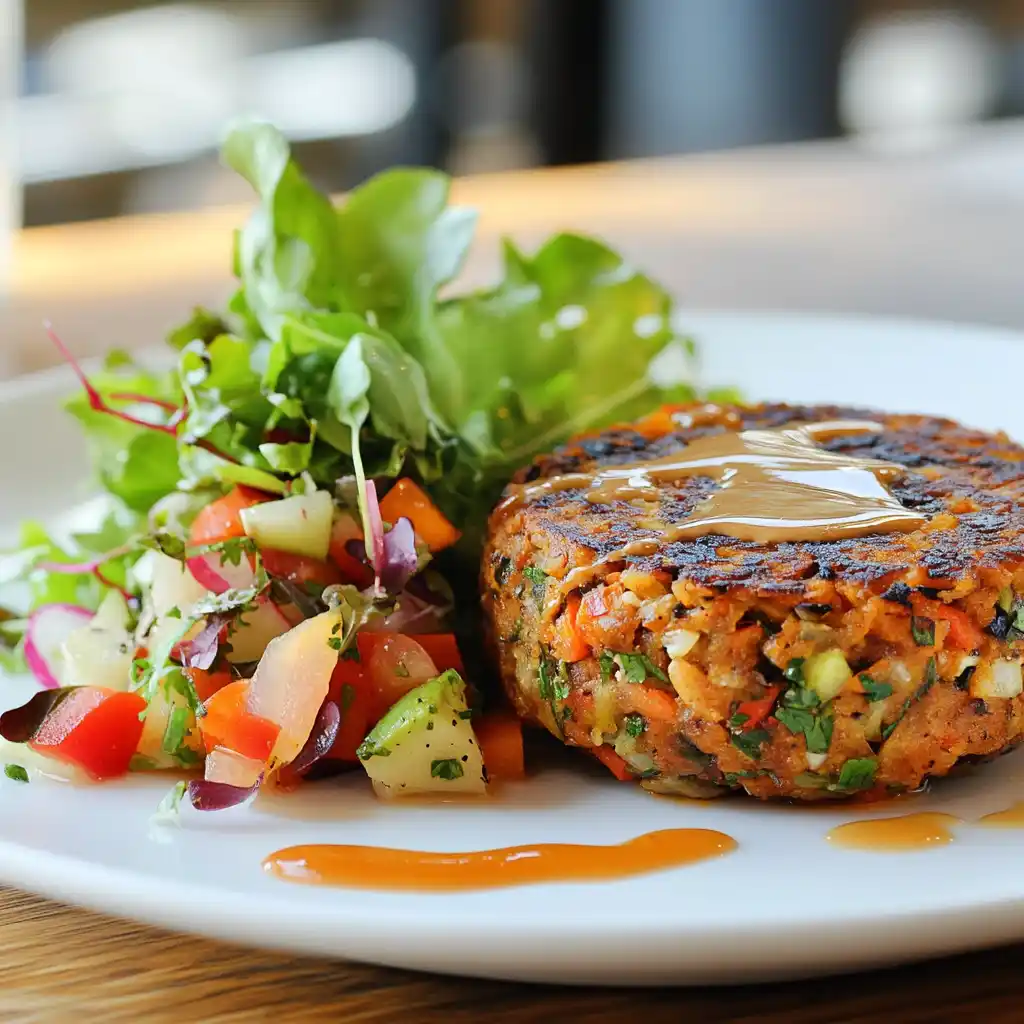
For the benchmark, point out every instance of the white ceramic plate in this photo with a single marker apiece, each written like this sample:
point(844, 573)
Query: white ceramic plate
point(784, 904)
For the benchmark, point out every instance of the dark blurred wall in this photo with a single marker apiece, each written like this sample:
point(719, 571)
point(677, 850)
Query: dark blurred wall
point(690, 75)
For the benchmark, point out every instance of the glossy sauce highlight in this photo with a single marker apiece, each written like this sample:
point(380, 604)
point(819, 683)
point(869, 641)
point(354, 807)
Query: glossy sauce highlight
point(905, 833)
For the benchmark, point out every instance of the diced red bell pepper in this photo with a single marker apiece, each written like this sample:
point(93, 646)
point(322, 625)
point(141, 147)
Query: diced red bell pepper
point(615, 764)
point(299, 568)
point(963, 633)
point(350, 690)
point(94, 728)
point(758, 710)
point(227, 722)
point(443, 650)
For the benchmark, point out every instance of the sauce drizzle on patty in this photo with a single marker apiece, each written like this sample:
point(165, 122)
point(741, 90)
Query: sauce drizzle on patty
point(774, 485)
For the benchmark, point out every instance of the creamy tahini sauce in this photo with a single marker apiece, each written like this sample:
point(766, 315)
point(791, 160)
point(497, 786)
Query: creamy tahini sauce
point(370, 867)
point(774, 485)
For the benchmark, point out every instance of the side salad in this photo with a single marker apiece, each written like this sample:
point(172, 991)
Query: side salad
point(261, 602)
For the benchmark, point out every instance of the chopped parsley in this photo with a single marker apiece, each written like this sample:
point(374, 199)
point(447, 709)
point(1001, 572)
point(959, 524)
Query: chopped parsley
point(930, 675)
point(750, 743)
point(346, 697)
point(794, 671)
point(606, 662)
point(638, 668)
point(738, 720)
point(875, 691)
point(15, 773)
point(448, 769)
point(554, 686)
point(635, 724)
point(174, 732)
point(334, 642)
point(816, 728)
point(539, 578)
point(858, 773)
point(351, 654)
point(401, 671)
point(922, 630)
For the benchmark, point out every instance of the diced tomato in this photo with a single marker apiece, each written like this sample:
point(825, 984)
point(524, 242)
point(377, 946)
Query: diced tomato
point(207, 683)
point(356, 721)
point(96, 729)
point(500, 735)
point(568, 643)
point(352, 569)
point(228, 723)
point(443, 650)
point(408, 500)
point(222, 519)
point(395, 665)
point(758, 710)
point(615, 764)
point(299, 568)
point(963, 633)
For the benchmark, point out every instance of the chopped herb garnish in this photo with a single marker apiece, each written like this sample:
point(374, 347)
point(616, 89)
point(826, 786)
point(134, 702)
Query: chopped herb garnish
point(816, 728)
point(539, 578)
point(738, 720)
point(635, 724)
point(858, 773)
point(173, 613)
point(334, 642)
point(351, 654)
point(554, 685)
point(875, 691)
point(401, 671)
point(174, 732)
point(15, 773)
point(638, 668)
point(606, 662)
point(922, 630)
point(750, 743)
point(930, 675)
point(448, 769)
point(794, 671)
point(517, 631)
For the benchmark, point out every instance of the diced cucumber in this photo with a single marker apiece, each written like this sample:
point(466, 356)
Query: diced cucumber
point(825, 673)
point(300, 524)
point(100, 653)
point(426, 744)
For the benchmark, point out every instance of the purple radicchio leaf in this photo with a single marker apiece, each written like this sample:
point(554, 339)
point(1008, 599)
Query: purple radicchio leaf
point(19, 725)
point(321, 737)
point(400, 560)
point(201, 651)
point(217, 796)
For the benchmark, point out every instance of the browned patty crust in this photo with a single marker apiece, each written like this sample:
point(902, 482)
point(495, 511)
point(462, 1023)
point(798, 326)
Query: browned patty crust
point(806, 669)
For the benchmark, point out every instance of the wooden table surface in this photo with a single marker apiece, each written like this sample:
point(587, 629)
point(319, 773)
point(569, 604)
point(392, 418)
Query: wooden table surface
point(819, 227)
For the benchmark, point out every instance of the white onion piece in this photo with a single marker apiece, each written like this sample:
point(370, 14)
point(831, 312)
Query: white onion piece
point(258, 626)
point(100, 652)
point(48, 628)
point(231, 769)
point(172, 586)
point(292, 679)
point(300, 524)
point(999, 679)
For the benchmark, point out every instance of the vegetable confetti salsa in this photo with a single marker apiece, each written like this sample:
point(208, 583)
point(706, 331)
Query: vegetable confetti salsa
point(260, 599)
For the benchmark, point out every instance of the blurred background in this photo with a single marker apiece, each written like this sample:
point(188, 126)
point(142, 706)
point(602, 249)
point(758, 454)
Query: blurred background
point(121, 102)
point(904, 196)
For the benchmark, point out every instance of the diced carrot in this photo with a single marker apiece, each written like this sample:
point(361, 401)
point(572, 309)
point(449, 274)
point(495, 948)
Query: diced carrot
point(443, 650)
point(229, 723)
point(758, 710)
point(615, 764)
point(653, 703)
point(207, 683)
point(408, 500)
point(500, 735)
point(222, 519)
point(568, 643)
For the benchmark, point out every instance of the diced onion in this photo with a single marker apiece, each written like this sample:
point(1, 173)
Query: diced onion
point(679, 642)
point(999, 679)
point(815, 761)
